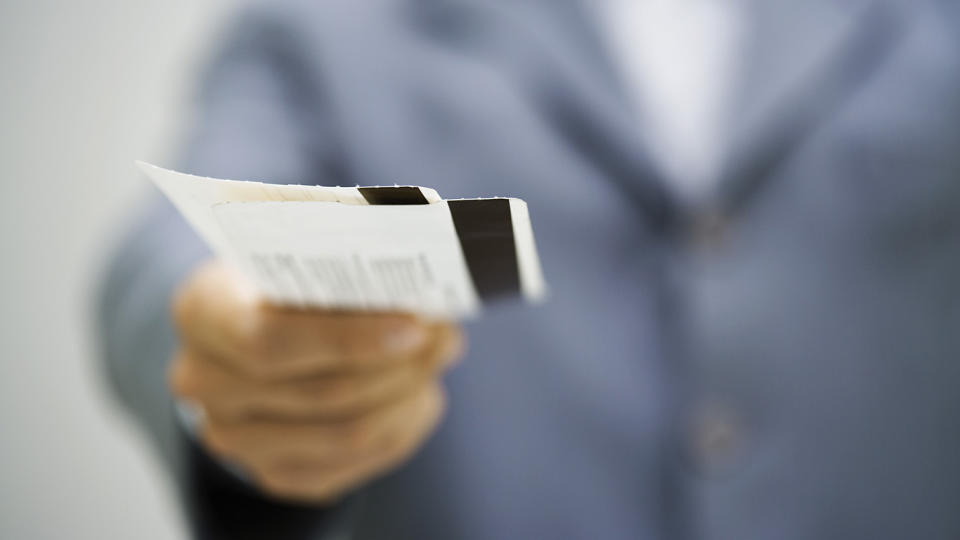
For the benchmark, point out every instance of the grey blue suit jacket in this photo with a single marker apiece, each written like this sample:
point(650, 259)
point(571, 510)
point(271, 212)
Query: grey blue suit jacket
point(779, 359)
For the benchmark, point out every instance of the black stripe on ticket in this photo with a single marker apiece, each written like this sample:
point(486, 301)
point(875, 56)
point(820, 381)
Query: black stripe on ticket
point(485, 230)
point(393, 195)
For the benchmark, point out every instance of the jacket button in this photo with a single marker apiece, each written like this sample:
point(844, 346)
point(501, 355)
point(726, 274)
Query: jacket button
point(717, 437)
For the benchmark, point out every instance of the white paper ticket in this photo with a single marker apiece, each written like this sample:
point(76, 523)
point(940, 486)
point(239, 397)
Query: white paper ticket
point(373, 248)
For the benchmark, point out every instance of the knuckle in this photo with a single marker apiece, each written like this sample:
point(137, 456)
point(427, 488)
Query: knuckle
point(381, 337)
point(355, 436)
point(402, 445)
point(446, 349)
point(250, 335)
point(255, 344)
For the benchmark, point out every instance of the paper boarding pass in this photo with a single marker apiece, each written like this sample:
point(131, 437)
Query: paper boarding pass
point(374, 248)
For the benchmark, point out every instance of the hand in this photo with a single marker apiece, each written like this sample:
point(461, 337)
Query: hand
point(310, 403)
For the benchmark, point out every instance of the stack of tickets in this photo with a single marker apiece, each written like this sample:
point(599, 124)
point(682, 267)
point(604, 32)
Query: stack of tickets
point(396, 248)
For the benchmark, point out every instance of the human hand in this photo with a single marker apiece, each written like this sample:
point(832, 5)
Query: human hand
point(310, 403)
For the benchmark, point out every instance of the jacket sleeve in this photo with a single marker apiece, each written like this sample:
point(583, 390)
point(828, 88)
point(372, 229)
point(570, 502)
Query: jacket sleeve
point(258, 116)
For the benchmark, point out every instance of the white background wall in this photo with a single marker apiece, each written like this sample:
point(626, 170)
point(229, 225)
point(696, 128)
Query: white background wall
point(86, 87)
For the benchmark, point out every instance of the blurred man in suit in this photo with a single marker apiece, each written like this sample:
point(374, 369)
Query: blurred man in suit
point(748, 215)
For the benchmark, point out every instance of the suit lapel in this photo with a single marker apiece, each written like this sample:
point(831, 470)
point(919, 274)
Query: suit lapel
point(576, 89)
point(804, 61)
point(550, 51)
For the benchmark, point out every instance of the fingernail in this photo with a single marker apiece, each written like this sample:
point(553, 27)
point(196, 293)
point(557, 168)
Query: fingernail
point(405, 337)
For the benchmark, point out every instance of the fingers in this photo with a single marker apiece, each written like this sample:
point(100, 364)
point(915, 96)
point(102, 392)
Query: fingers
point(321, 482)
point(227, 397)
point(332, 440)
point(230, 396)
point(310, 402)
point(316, 460)
point(216, 312)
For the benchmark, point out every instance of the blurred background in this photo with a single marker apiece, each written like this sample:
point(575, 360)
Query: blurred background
point(87, 87)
